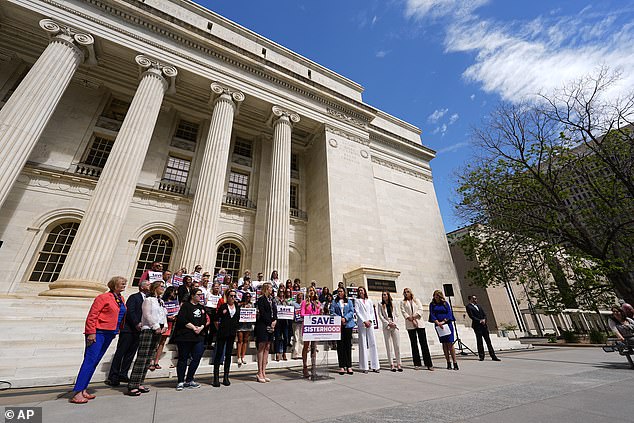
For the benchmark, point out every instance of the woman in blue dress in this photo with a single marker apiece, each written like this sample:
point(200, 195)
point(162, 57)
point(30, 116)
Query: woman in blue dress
point(440, 314)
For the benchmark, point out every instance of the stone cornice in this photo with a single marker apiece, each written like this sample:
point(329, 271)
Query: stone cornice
point(401, 144)
point(347, 135)
point(188, 41)
point(402, 169)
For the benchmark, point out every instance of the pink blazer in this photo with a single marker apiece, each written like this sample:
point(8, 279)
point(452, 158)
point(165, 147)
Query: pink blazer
point(307, 309)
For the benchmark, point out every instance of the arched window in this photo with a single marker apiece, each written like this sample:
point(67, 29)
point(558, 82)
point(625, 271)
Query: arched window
point(53, 253)
point(157, 247)
point(229, 256)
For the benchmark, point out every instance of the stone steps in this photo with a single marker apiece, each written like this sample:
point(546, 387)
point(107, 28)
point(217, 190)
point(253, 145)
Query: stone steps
point(43, 344)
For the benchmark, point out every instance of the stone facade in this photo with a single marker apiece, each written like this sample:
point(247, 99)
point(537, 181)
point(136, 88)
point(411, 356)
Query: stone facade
point(364, 196)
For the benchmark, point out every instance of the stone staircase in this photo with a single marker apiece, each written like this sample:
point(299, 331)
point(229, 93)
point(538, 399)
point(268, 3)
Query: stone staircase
point(42, 344)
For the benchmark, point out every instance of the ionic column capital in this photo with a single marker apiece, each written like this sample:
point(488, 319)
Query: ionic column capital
point(279, 114)
point(156, 67)
point(82, 42)
point(226, 91)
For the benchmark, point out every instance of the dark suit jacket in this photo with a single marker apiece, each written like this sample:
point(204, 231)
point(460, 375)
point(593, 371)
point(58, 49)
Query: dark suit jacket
point(266, 315)
point(476, 315)
point(227, 325)
point(133, 313)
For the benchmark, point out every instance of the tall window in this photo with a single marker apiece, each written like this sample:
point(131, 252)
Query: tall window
point(294, 162)
point(242, 147)
point(99, 151)
point(116, 110)
point(157, 247)
point(238, 185)
point(177, 170)
point(53, 253)
point(294, 202)
point(229, 256)
point(185, 135)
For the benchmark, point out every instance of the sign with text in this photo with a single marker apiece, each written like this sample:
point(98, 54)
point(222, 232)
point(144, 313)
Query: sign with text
point(213, 301)
point(298, 315)
point(177, 281)
point(248, 314)
point(155, 276)
point(321, 328)
point(285, 312)
point(381, 285)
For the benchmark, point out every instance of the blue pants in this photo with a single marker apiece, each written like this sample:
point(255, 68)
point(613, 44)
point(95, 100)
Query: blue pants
point(186, 350)
point(92, 356)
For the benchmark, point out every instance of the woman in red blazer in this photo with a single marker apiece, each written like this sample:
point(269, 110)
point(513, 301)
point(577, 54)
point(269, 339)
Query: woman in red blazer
point(102, 325)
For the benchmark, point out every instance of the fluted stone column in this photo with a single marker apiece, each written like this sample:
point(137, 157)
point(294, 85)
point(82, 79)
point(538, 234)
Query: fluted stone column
point(200, 244)
point(24, 117)
point(87, 266)
point(278, 218)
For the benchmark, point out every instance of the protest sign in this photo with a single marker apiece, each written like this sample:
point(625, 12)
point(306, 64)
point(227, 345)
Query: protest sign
point(155, 276)
point(352, 291)
point(321, 328)
point(177, 281)
point(197, 277)
point(298, 315)
point(285, 312)
point(213, 301)
point(248, 314)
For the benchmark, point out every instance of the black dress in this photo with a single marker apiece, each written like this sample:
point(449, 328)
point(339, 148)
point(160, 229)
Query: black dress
point(267, 314)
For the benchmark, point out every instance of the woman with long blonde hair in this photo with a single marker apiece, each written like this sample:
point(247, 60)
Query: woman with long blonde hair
point(310, 306)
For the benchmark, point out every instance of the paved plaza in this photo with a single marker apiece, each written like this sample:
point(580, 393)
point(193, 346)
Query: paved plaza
point(540, 385)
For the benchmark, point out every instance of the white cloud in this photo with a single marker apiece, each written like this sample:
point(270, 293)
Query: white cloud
point(518, 59)
point(437, 115)
point(453, 147)
point(382, 53)
point(374, 19)
point(438, 8)
point(454, 118)
point(440, 129)
point(472, 97)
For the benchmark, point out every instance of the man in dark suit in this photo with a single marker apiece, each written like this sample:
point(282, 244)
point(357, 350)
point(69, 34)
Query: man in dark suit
point(479, 325)
point(128, 342)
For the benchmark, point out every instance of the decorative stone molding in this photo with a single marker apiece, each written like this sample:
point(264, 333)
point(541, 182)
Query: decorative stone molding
point(166, 71)
point(333, 143)
point(364, 154)
point(402, 144)
point(348, 119)
point(83, 42)
point(258, 71)
point(401, 169)
point(347, 135)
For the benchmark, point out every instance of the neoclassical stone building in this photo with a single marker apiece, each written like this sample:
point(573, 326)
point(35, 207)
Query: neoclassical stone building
point(133, 131)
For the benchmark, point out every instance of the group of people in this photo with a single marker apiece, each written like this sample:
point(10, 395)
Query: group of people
point(203, 312)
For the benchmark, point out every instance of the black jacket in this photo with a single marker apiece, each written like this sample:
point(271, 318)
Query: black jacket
point(194, 314)
point(476, 315)
point(133, 313)
point(227, 325)
point(267, 311)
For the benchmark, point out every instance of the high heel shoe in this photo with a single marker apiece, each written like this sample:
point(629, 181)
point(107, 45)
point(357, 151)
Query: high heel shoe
point(259, 379)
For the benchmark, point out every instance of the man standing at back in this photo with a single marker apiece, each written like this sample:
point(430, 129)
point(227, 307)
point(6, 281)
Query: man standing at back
point(479, 325)
point(128, 342)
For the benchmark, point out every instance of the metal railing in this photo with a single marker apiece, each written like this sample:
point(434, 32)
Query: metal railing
point(173, 187)
point(88, 170)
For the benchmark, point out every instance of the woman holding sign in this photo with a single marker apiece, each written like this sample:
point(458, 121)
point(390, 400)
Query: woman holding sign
point(244, 329)
point(310, 306)
point(226, 322)
point(365, 326)
point(281, 328)
point(441, 315)
point(264, 328)
point(170, 299)
point(345, 309)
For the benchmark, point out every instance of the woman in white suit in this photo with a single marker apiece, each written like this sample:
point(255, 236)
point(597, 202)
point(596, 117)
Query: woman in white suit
point(387, 315)
point(367, 343)
point(412, 311)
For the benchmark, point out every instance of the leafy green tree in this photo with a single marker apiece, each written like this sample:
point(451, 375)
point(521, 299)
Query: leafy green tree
point(557, 174)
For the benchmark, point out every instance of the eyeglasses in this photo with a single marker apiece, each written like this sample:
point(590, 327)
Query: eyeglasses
point(232, 295)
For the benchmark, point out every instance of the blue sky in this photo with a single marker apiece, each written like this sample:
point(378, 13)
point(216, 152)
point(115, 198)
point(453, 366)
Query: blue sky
point(443, 64)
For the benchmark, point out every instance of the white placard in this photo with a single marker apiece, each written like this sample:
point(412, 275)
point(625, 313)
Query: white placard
point(321, 328)
point(155, 276)
point(213, 301)
point(285, 312)
point(248, 314)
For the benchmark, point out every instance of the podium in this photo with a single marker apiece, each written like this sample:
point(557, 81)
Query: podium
point(321, 331)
